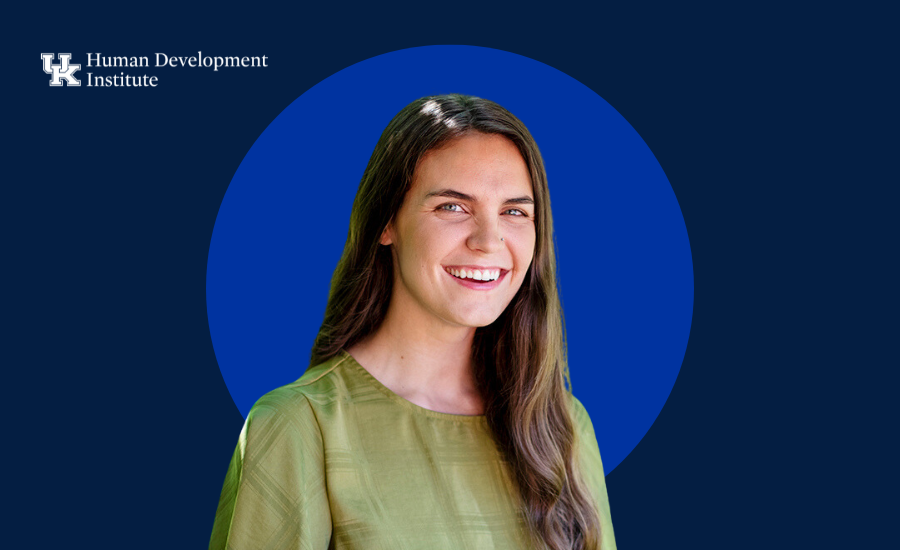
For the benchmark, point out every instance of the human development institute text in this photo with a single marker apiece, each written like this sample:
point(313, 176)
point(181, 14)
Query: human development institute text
point(161, 60)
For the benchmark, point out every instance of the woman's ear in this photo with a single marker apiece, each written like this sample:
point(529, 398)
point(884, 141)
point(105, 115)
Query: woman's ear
point(387, 236)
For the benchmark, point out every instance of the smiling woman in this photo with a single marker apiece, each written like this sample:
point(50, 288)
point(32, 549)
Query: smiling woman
point(469, 211)
point(435, 412)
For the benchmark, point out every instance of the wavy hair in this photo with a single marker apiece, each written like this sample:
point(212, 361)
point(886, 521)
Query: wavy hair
point(519, 359)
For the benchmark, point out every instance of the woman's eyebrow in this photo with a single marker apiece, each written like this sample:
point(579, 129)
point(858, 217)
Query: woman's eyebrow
point(520, 200)
point(450, 193)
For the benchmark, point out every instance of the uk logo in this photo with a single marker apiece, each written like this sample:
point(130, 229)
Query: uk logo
point(64, 70)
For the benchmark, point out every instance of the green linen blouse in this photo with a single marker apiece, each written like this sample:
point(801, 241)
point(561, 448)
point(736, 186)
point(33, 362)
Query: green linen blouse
point(336, 460)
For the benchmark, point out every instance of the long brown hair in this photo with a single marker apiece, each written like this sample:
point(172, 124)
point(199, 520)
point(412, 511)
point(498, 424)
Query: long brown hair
point(520, 363)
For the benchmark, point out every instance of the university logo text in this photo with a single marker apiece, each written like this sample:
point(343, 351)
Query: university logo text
point(65, 69)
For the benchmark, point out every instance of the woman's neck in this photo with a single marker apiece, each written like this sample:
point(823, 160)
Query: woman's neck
point(430, 366)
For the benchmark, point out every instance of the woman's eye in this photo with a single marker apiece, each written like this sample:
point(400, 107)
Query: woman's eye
point(516, 212)
point(450, 207)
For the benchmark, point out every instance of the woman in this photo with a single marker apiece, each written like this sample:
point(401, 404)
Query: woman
point(435, 412)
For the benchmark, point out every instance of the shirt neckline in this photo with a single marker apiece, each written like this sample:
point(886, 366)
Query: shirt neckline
point(405, 403)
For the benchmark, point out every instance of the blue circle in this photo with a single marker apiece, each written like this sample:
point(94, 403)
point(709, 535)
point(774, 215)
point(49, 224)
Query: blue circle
point(625, 271)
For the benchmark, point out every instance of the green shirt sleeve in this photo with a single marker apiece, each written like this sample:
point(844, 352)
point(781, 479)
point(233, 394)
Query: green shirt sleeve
point(592, 470)
point(274, 494)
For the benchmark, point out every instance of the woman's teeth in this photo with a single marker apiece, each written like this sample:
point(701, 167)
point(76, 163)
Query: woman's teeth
point(476, 274)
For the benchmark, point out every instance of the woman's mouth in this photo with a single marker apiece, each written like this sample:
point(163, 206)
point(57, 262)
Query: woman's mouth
point(475, 274)
point(479, 279)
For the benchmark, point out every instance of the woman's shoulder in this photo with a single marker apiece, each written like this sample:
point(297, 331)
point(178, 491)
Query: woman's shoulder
point(323, 383)
point(579, 413)
point(581, 419)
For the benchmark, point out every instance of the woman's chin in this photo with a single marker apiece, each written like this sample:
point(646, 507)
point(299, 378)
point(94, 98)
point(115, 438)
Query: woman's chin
point(477, 319)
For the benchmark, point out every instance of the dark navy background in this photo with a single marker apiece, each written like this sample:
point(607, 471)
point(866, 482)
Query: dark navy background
point(771, 123)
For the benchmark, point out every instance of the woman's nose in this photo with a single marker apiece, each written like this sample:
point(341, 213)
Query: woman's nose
point(486, 236)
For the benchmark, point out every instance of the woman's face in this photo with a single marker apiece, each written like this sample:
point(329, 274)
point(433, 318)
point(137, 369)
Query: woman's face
point(464, 237)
